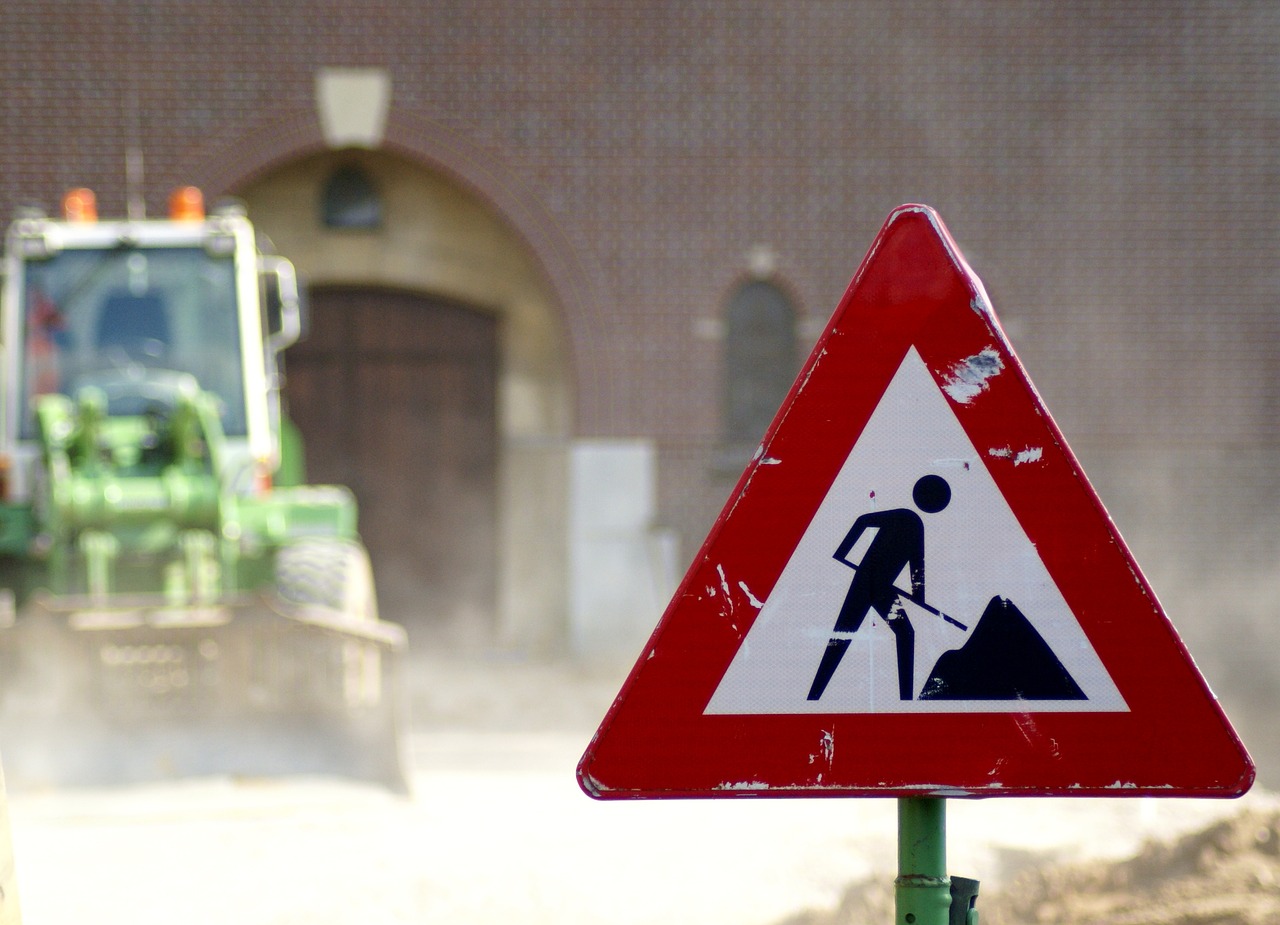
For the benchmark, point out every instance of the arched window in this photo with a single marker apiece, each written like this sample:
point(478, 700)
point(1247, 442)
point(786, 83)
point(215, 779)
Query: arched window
point(351, 200)
point(760, 362)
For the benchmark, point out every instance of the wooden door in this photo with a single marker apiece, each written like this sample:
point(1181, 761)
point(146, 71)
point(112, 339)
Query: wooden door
point(395, 395)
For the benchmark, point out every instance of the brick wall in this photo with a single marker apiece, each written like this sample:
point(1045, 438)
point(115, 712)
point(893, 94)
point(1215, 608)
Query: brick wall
point(1109, 170)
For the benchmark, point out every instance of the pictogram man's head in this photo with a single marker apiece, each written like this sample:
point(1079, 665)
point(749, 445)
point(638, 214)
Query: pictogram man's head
point(931, 493)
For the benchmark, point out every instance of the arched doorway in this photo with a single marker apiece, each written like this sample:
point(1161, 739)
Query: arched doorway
point(395, 394)
point(415, 295)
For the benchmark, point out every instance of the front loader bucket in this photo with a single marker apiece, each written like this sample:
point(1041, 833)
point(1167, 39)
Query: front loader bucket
point(252, 687)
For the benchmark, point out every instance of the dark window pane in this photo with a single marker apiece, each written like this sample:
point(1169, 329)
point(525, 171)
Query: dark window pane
point(351, 201)
point(760, 360)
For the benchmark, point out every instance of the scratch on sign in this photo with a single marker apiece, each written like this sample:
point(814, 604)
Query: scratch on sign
point(826, 748)
point(1032, 454)
point(742, 785)
point(724, 586)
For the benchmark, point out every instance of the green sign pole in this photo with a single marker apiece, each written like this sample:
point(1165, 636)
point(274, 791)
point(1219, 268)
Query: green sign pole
point(922, 891)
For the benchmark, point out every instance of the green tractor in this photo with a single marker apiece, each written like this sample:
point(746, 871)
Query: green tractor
point(174, 601)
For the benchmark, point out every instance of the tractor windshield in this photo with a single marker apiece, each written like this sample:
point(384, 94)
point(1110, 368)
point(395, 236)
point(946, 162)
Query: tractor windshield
point(128, 315)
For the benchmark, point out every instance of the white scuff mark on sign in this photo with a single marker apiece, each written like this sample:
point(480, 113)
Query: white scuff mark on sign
point(755, 602)
point(968, 378)
point(593, 786)
point(771, 461)
point(724, 586)
point(826, 748)
point(1030, 454)
point(743, 785)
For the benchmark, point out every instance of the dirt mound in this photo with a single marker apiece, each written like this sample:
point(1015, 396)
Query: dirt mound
point(1226, 874)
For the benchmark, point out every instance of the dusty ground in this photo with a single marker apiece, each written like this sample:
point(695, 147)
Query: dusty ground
point(1225, 874)
point(498, 832)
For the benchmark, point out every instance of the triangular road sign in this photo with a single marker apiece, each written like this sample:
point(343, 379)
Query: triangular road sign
point(913, 590)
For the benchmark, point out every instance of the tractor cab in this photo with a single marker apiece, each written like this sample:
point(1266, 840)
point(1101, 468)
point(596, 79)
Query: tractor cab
point(138, 311)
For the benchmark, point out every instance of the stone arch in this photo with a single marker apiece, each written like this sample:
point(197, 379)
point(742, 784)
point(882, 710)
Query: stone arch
point(442, 239)
point(278, 139)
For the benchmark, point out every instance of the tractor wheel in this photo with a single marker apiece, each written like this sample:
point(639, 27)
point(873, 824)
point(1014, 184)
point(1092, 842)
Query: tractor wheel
point(330, 573)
